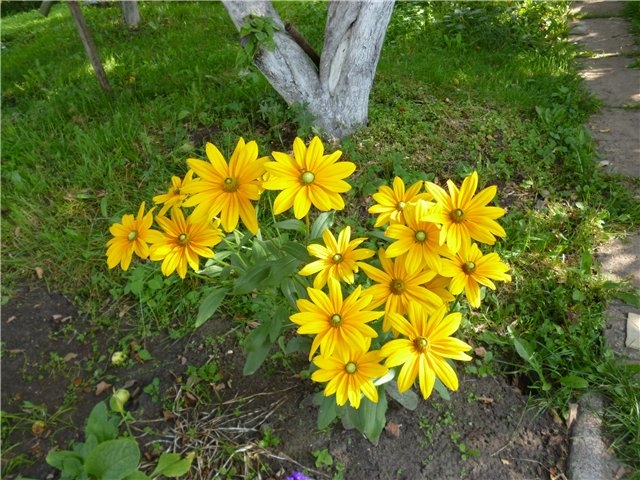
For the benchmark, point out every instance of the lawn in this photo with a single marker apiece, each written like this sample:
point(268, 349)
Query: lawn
point(490, 87)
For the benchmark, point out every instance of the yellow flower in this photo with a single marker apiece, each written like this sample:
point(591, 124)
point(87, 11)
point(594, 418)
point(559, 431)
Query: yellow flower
point(439, 286)
point(338, 259)
point(132, 235)
point(175, 196)
point(227, 189)
point(350, 373)
point(422, 353)
point(396, 288)
point(183, 242)
point(469, 269)
point(417, 238)
point(335, 322)
point(308, 178)
point(391, 202)
point(464, 215)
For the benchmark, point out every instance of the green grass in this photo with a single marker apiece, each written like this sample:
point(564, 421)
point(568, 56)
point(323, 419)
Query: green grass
point(490, 88)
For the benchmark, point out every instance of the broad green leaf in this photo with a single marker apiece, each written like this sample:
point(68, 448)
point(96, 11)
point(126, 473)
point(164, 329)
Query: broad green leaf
point(173, 465)
point(65, 461)
point(297, 251)
point(292, 224)
point(113, 459)
point(101, 424)
point(137, 475)
point(255, 358)
point(408, 399)
point(328, 410)
point(574, 381)
point(439, 387)
point(370, 419)
point(523, 348)
point(210, 304)
point(252, 279)
point(323, 222)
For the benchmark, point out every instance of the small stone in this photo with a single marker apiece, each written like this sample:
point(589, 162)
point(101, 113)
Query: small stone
point(633, 331)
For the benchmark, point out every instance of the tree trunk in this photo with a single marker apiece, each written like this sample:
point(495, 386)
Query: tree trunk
point(338, 94)
point(89, 46)
point(131, 13)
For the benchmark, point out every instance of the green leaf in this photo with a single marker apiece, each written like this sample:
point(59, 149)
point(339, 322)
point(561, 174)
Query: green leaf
point(172, 465)
point(574, 381)
point(210, 305)
point(65, 461)
point(408, 399)
point(328, 410)
point(439, 387)
point(113, 459)
point(292, 224)
point(523, 349)
point(255, 358)
point(101, 424)
point(252, 279)
point(323, 222)
point(297, 251)
point(371, 417)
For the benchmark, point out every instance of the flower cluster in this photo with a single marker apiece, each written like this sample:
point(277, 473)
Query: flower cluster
point(432, 258)
point(396, 310)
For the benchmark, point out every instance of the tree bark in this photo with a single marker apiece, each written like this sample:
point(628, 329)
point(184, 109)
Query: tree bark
point(89, 46)
point(131, 13)
point(337, 94)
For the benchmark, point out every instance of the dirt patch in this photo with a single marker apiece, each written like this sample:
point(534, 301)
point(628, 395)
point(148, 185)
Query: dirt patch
point(484, 431)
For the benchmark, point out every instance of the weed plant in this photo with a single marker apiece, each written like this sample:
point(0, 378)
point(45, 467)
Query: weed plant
point(486, 86)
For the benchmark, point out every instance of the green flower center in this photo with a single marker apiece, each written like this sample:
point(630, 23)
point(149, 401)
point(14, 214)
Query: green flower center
point(351, 367)
point(307, 177)
point(400, 205)
point(421, 344)
point(468, 267)
point(132, 235)
point(421, 236)
point(230, 184)
point(335, 320)
point(397, 287)
point(337, 258)
point(183, 238)
point(458, 216)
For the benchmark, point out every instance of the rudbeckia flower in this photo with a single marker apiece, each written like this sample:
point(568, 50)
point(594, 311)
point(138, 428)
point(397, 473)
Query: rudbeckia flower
point(426, 345)
point(175, 196)
point(464, 215)
point(183, 242)
point(335, 322)
point(396, 288)
point(350, 373)
point(391, 202)
point(420, 240)
point(469, 269)
point(308, 177)
point(337, 259)
point(227, 189)
point(132, 235)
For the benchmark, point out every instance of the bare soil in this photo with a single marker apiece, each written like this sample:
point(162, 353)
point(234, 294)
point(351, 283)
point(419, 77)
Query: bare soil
point(55, 357)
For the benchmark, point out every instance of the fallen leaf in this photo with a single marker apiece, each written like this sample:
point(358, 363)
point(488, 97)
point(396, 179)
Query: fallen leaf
point(605, 130)
point(485, 400)
point(11, 318)
point(505, 461)
point(480, 351)
point(70, 356)
point(102, 387)
point(393, 429)
point(39, 272)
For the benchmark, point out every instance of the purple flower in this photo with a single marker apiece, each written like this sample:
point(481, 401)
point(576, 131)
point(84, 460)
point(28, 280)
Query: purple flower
point(297, 476)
